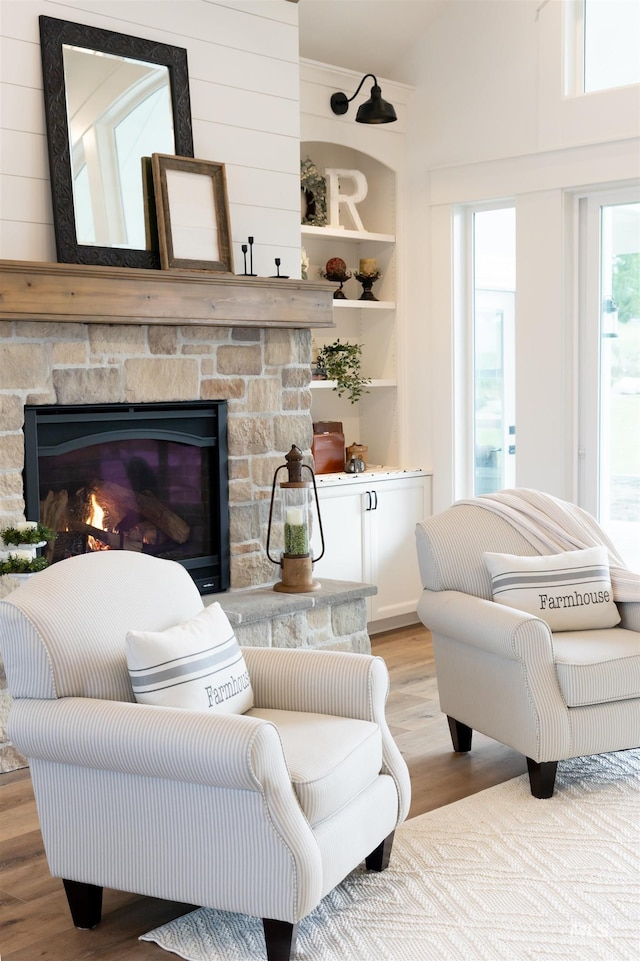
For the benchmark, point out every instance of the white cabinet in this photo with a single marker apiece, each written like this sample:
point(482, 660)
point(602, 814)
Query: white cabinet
point(369, 522)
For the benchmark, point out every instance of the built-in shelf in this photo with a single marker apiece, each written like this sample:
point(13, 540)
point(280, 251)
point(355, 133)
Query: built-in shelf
point(355, 236)
point(331, 384)
point(124, 295)
point(365, 304)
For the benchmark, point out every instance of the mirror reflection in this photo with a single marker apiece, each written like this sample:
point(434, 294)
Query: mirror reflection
point(119, 111)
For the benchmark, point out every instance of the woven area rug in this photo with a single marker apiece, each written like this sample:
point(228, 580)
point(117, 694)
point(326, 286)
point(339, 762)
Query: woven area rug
point(498, 876)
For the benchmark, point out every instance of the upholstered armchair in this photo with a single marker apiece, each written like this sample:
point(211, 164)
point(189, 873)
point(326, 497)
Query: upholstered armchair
point(261, 813)
point(548, 693)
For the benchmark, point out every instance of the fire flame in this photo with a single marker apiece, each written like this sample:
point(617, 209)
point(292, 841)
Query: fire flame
point(96, 519)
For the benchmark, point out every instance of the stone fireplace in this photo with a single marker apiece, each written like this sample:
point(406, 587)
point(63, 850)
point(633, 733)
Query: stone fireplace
point(263, 374)
point(73, 334)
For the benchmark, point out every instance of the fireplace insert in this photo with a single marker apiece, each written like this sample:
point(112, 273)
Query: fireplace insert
point(140, 477)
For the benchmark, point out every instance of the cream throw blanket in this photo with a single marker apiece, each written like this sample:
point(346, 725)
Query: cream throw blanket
point(551, 526)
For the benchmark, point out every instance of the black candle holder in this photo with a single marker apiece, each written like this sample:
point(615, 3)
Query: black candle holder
point(367, 281)
point(278, 275)
point(244, 253)
point(337, 277)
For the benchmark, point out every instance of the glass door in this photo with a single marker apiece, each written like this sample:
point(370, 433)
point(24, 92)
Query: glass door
point(610, 395)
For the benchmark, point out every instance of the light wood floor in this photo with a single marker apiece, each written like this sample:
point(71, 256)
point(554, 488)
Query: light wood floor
point(35, 924)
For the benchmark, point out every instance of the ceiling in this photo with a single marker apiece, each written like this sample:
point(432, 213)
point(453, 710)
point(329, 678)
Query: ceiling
point(368, 36)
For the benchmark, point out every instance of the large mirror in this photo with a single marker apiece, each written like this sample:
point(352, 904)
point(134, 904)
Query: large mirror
point(110, 100)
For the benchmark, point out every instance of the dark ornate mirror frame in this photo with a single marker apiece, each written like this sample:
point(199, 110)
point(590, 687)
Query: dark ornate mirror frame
point(53, 35)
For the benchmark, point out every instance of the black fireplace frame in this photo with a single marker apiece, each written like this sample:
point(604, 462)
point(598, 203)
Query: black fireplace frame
point(202, 423)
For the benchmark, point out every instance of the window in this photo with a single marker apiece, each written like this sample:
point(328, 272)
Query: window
point(493, 284)
point(603, 45)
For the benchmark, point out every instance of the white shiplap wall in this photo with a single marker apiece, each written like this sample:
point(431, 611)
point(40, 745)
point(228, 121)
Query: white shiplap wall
point(244, 84)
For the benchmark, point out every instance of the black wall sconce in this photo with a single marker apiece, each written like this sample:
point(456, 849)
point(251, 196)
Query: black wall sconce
point(373, 110)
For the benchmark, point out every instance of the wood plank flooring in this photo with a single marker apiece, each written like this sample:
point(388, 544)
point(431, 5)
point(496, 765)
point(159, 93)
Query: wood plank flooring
point(35, 924)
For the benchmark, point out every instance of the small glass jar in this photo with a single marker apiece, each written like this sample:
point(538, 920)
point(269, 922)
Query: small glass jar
point(355, 465)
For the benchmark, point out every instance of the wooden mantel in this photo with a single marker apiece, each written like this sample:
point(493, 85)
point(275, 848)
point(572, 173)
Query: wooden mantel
point(122, 295)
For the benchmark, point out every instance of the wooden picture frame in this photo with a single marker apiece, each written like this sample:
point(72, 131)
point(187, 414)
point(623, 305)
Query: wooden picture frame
point(192, 211)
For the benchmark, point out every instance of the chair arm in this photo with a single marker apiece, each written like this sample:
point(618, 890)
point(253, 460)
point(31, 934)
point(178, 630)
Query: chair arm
point(330, 682)
point(491, 627)
point(496, 672)
point(150, 741)
point(630, 614)
point(322, 682)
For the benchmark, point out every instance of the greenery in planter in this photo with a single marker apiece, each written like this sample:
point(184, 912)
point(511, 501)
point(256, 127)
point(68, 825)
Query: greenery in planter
point(314, 189)
point(21, 561)
point(30, 535)
point(22, 565)
point(341, 362)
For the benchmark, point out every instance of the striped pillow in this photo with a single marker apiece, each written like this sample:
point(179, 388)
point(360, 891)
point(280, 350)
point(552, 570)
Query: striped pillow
point(196, 665)
point(571, 591)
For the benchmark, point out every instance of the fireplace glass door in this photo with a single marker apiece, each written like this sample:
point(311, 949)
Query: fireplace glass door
point(146, 477)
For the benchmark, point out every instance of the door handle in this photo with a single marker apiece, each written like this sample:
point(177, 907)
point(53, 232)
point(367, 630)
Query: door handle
point(368, 507)
point(375, 500)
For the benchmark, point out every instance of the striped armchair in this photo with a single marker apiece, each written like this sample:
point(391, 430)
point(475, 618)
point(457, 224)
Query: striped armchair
point(551, 694)
point(260, 813)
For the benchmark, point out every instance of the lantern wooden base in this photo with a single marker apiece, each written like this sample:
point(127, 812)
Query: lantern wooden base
point(297, 576)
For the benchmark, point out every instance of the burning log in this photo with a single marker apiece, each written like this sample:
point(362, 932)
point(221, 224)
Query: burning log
point(54, 514)
point(106, 537)
point(118, 501)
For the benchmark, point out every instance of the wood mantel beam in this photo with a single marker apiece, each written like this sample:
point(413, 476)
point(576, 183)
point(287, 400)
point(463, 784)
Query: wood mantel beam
point(121, 295)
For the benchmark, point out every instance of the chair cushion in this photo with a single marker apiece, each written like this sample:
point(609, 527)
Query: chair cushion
point(196, 665)
point(330, 759)
point(597, 666)
point(571, 591)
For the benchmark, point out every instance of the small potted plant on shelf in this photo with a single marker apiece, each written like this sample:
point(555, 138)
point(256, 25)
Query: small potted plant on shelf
point(19, 547)
point(340, 361)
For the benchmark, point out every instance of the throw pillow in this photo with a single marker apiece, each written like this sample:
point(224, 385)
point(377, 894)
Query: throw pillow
point(196, 665)
point(571, 591)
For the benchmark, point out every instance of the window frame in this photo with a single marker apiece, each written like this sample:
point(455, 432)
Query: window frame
point(464, 338)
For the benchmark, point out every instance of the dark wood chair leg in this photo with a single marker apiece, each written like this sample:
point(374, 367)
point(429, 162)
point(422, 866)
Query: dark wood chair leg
point(460, 735)
point(378, 860)
point(85, 903)
point(280, 939)
point(542, 777)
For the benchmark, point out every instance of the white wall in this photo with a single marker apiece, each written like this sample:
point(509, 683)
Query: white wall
point(243, 67)
point(489, 121)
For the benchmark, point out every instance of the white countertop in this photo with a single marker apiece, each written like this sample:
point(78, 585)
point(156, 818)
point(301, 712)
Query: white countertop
point(374, 472)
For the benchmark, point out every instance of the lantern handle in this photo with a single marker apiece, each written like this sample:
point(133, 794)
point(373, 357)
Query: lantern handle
point(315, 492)
point(274, 560)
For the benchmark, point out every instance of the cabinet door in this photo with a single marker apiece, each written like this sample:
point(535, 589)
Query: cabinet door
point(342, 525)
point(390, 547)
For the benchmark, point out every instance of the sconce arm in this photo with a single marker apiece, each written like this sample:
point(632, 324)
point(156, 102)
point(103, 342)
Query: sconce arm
point(340, 102)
